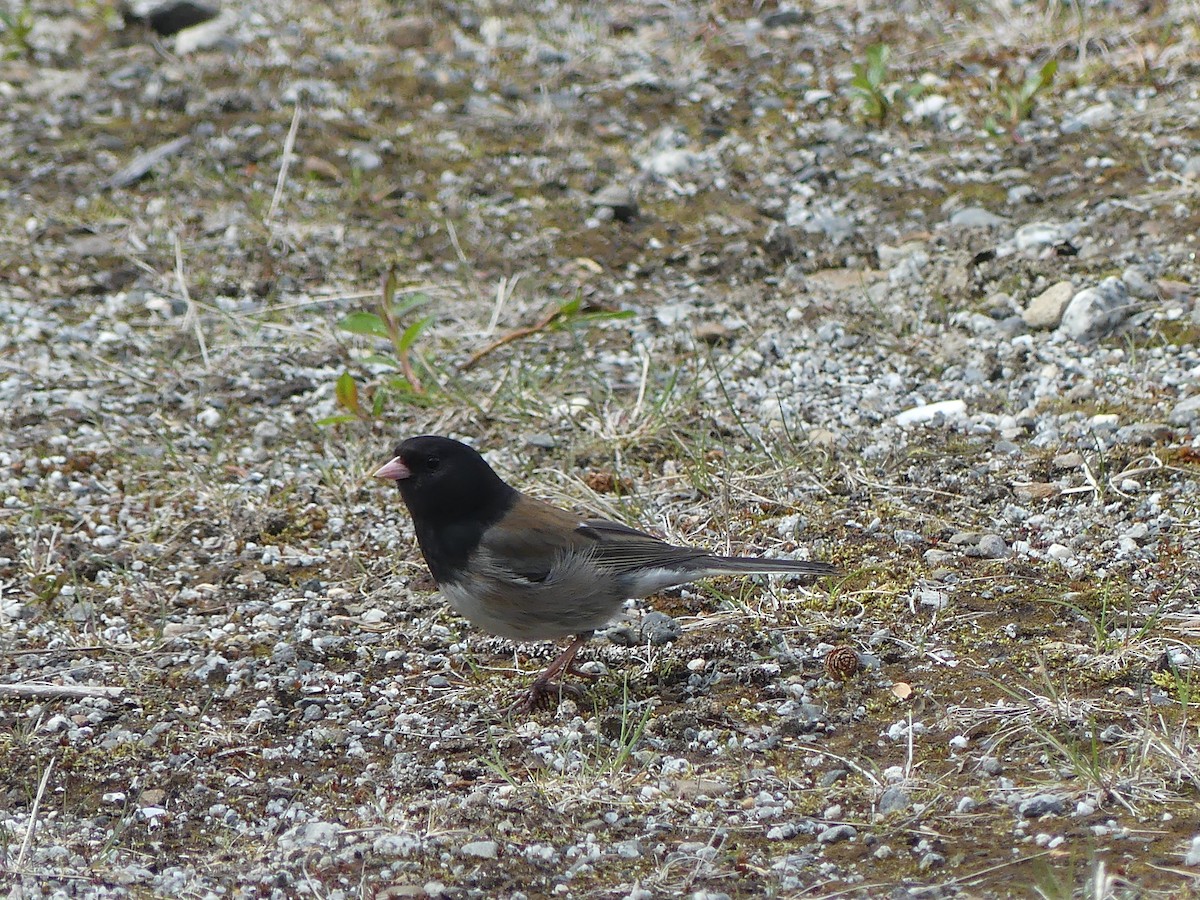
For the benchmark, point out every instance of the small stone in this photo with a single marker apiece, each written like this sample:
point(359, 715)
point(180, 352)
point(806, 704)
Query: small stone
point(1193, 854)
point(1041, 805)
point(1041, 234)
point(937, 557)
point(822, 438)
point(832, 777)
point(1094, 312)
point(1035, 490)
point(620, 199)
point(630, 849)
point(670, 163)
point(409, 32)
point(990, 765)
point(931, 860)
point(835, 833)
point(894, 799)
point(1045, 311)
point(659, 628)
point(983, 546)
point(712, 333)
point(1186, 411)
point(781, 18)
point(622, 636)
point(1140, 283)
point(1067, 461)
point(966, 805)
point(919, 415)
point(1095, 116)
point(975, 217)
point(364, 159)
point(481, 849)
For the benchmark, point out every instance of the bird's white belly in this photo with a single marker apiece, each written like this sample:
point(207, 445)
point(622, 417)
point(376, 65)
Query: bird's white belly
point(567, 603)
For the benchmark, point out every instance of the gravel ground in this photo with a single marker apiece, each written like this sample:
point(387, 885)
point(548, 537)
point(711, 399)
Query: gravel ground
point(663, 262)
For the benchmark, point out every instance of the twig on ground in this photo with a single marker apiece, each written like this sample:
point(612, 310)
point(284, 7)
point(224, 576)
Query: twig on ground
point(52, 691)
point(285, 163)
point(33, 813)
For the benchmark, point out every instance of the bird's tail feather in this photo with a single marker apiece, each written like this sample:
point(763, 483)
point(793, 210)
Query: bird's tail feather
point(762, 566)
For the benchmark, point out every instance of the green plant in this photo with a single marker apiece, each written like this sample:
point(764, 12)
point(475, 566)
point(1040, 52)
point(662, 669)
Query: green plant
point(870, 83)
point(568, 314)
point(18, 25)
point(387, 324)
point(1018, 101)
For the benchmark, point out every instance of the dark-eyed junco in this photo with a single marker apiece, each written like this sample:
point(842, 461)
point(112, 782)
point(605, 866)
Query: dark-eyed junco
point(523, 569)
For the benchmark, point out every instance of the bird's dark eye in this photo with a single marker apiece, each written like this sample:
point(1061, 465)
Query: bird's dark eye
point(432, 462)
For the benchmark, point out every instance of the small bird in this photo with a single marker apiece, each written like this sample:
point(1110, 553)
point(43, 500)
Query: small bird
point(526, 570)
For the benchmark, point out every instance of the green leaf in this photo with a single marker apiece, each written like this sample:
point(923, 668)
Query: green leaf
point(411, 333)
point(377, 404)
point(602, 315)
point(346, 391)
point(364, 323)
point(570, 308)
point(413, 301)
point(877, 63)
point(400, 385)
point(336, 420)
point(379, 359)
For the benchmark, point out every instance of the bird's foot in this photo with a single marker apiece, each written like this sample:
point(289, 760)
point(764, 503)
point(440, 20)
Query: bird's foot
point(542, 691)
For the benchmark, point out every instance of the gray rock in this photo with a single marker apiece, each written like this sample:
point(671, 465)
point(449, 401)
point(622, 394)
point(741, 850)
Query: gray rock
point(1092, 117)
point(990, 765)
point(975, 217)
point(931, 860)
point(1041, 234)
point(990, 546)
point(985, 546)
point(1186, 411)
point(893, 799)
point(935, 557)
point(1139, 281)
point(622, 635)
point(835, 833)
point(619, 198)
point(141, 164)
point(481, 849)
point(1040, 805)
point(1094, 312)
point(671, 163)
point(1046, 309)
point(781, 18)
point(1193, 854)
point(364, 159)
point(832, 777)
point(659, 628)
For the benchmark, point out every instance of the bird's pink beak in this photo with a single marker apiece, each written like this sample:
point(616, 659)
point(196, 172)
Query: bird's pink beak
point(394, 469)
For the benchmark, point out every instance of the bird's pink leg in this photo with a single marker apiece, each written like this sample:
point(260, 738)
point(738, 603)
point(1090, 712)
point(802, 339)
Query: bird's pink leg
point(545, 684)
